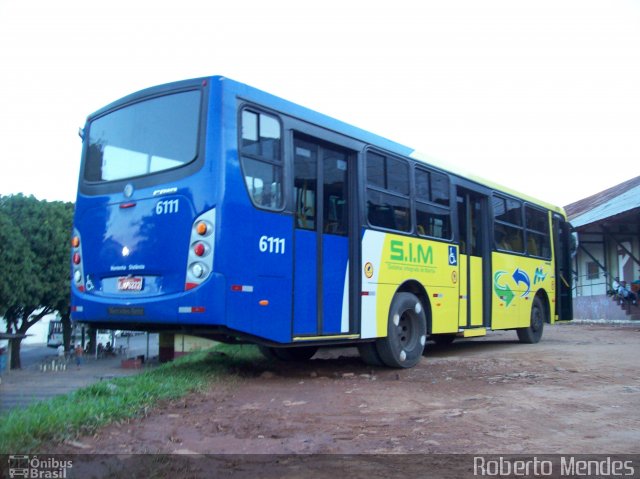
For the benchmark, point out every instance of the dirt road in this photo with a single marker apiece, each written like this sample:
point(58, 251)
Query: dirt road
point(578, 391)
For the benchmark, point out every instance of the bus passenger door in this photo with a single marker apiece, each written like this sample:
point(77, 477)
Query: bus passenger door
point(474, 257)
point(321, 288)
point(563, 253)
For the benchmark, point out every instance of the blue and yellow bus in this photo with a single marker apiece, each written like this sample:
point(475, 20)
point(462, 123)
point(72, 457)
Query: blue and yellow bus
point(210, 207)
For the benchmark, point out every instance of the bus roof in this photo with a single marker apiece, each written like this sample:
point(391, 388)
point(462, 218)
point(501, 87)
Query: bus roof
point(483, 181)
point(280, 104)
point(376, 140)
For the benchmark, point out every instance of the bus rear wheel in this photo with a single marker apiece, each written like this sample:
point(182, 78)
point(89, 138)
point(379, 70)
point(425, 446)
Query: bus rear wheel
point(406, 332)
point(302, 353)
point(533, 333)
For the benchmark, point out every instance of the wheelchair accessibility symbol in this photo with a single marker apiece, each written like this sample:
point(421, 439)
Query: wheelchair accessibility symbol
point(453, 256)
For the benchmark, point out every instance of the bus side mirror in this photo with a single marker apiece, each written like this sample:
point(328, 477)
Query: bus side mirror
point(81, 133)
point(574, 243)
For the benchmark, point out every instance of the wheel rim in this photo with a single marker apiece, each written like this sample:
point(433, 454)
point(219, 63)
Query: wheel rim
point(403, 345)
point(405, 330)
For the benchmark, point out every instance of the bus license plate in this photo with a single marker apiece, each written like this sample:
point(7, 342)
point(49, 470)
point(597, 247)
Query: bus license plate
point(130, 283)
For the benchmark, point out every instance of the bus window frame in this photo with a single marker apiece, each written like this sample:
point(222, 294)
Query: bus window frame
point(505, 224)
point(523, 227)
point(281, 163)
point(369, 186)
point(432, 204)
point(528, 230)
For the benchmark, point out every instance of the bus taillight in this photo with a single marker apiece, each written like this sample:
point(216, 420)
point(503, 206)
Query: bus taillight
point(200, 260)
point(202, 228)
point(199, 270)
point(200, 249)
point(76, 262)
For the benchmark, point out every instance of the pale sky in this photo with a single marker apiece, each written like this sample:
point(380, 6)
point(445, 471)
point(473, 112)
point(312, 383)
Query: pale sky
point(540, 95)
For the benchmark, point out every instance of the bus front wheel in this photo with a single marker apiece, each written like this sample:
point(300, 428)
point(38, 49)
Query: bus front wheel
point(533, 333)
point(406, 332)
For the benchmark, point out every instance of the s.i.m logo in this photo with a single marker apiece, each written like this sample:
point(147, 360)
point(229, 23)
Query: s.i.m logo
point(410, 253)
point(410, 256)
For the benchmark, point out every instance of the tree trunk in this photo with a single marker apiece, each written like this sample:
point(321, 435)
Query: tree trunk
point(25, 320)
point(15, 353)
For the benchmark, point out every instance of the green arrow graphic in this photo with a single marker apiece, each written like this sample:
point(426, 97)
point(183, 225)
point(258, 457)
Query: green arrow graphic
point(503, 292)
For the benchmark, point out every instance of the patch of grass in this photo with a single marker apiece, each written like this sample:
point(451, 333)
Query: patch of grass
point(87, 409)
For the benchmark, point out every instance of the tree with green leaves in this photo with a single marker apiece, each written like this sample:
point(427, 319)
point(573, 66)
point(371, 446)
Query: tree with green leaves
point(34, 263)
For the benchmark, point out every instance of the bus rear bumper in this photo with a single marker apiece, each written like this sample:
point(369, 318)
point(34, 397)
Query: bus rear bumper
point(204, 305)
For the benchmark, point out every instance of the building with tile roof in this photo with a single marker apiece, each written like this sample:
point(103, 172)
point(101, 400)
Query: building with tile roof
point(608, 229)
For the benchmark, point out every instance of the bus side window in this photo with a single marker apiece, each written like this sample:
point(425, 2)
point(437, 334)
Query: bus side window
point(532, 245)
point(507, 228)
point(388, 211)
point(433, 221)
point(260, 150)
point(501, 238)
point(305, 174)
point(514, 239)
point(432, 204)
point(335, 191)
point(380, 215)
point(538, 235)
point(388, 204)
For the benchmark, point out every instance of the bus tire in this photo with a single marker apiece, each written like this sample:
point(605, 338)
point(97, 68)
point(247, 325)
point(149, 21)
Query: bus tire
point(303, 353)
point(369, 354)
point(406, 332)
point(533, 333)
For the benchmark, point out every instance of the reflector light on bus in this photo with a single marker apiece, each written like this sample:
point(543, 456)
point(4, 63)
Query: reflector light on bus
point(75, 241)
point(242, 288)
point(76, 258)
point(191, 309)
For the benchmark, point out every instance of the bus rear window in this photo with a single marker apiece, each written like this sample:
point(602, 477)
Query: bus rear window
point(144, 138)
